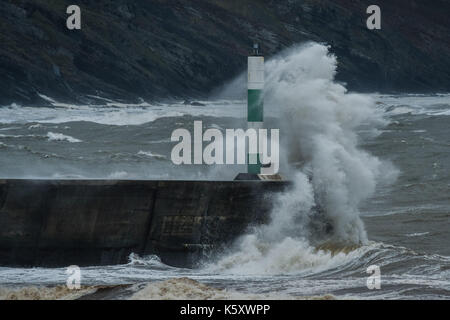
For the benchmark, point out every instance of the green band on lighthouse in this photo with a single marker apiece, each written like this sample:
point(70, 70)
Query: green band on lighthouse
point(255, 105)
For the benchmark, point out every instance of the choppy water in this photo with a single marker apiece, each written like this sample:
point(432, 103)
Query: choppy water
point(407, 221)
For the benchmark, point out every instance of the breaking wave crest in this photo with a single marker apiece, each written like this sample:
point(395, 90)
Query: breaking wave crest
point(189, 289)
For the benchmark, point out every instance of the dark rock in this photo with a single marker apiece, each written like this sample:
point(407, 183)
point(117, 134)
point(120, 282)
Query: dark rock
point(184, 48)
point(197, 104)
point(193, 103)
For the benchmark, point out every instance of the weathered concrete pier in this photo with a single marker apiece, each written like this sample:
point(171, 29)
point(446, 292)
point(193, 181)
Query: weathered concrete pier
point(100, 222)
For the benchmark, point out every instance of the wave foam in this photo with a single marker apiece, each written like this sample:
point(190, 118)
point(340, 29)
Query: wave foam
point(44, 293)
point(151, 155)
point(61, 137)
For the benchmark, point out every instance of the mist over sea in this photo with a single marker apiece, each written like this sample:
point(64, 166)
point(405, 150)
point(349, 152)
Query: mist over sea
point(380, 166)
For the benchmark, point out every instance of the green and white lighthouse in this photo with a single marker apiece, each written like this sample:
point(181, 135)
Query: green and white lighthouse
point(255, 102)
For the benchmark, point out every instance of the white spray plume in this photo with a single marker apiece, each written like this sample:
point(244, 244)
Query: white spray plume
point(318, 122)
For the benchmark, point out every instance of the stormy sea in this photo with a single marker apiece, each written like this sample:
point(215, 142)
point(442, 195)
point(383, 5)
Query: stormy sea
point(380, 168)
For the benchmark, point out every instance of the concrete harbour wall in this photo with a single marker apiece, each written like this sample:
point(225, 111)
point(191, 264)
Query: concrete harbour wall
point(100, 222)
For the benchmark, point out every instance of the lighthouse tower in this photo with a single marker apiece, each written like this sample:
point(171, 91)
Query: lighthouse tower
point(255, 103)
point(255, 115)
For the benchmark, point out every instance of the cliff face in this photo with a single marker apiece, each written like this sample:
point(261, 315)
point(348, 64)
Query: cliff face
point(175, 48)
